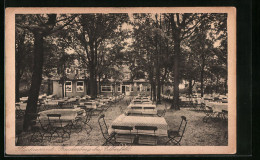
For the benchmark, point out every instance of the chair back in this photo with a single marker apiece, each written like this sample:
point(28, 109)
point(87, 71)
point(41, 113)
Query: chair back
point(161, 113)
point(224, 111)
point(88, 104)
point(121, 109)
point(146, 128)
point(54, 120)
point(89, 113)
point(34, 118)
point(103, 126)
point(137, 102)
point(82, 106)
point(149, 108)
point(134, 107)
point(122, 127)
point(17, 107)
point(182, 126)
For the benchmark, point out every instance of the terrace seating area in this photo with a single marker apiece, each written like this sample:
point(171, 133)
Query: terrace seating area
point(123, 120)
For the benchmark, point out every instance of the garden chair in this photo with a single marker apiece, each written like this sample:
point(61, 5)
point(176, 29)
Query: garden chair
point(87, 118)
point(36, 128)
point(109, 139)
point(77, 125)
point(126, 137)
point(209, 114)
point(56, 126)
point(19, 112)
point(145, 137)
point(161, 113)
point(225, 115)
point(176, 136)
point(121, 109)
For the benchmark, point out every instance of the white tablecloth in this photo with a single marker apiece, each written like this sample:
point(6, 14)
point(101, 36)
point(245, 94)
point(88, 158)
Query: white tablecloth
point(217, 107)
point(88, 104)
point(133, 121)
point(22, 105)
point(66, 114)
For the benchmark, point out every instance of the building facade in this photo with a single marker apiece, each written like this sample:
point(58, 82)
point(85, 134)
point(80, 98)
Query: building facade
point(76, 84)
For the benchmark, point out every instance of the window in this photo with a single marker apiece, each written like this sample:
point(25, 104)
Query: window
point(80, 86)
point(127, 89)
point(68, 86)
point(67, 70)
point(76, 71)
point(118, 89)
point(138, 88)
point(106, 89)
point(132, 88)
point(148, 89)
point(127, 76)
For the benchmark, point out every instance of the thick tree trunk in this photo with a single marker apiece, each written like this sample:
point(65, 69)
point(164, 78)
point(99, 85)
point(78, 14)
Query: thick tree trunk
point(17, 86)
point(63, 95)
point(36, 79)
point(92, 83)
point(176, 74)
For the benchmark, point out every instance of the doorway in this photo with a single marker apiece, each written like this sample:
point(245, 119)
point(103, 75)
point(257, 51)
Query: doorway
point(123, 89)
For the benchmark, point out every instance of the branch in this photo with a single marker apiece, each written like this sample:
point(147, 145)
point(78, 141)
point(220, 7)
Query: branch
point(61, 27)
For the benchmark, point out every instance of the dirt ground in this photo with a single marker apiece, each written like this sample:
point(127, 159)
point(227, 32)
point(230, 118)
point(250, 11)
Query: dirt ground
point(198, 133)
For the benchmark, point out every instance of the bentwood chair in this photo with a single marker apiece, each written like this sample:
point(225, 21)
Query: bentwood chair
point(147, 135)
point(19, 111)
point(87, 118)
point(109, 138)
point(126, 137)
point(209, 114)
point(58, 126)
point(175, 136)
point(161, 113)
point(35, 128)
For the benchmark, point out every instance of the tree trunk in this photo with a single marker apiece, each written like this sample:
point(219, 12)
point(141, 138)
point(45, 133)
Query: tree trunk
point(154, 91)
point(36, 79)
point(202, 77)
point(176, 74)
point(190, 87)
point(217, 85)
point(226, 87)
point(17, 85)
point(49, 87)
point(151, 88)
point(92, 82)
point(62, 85)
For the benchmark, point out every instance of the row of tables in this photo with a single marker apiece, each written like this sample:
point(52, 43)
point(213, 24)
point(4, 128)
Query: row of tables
point(144, 115)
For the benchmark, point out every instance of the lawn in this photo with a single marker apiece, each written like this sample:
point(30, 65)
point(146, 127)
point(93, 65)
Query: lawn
point(198, 133)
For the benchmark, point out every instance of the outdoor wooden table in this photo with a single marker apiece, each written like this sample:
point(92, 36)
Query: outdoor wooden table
point(72, 100)
point(89, 104)
point(142, 105)
point(67, 115)
point(133, 121)
point(22, 106)
point(55, 102)
point(146, 109)
point(23, 99)
point(217, 107)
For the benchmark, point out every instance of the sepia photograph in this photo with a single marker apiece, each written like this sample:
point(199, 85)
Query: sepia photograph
point(121, 81)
